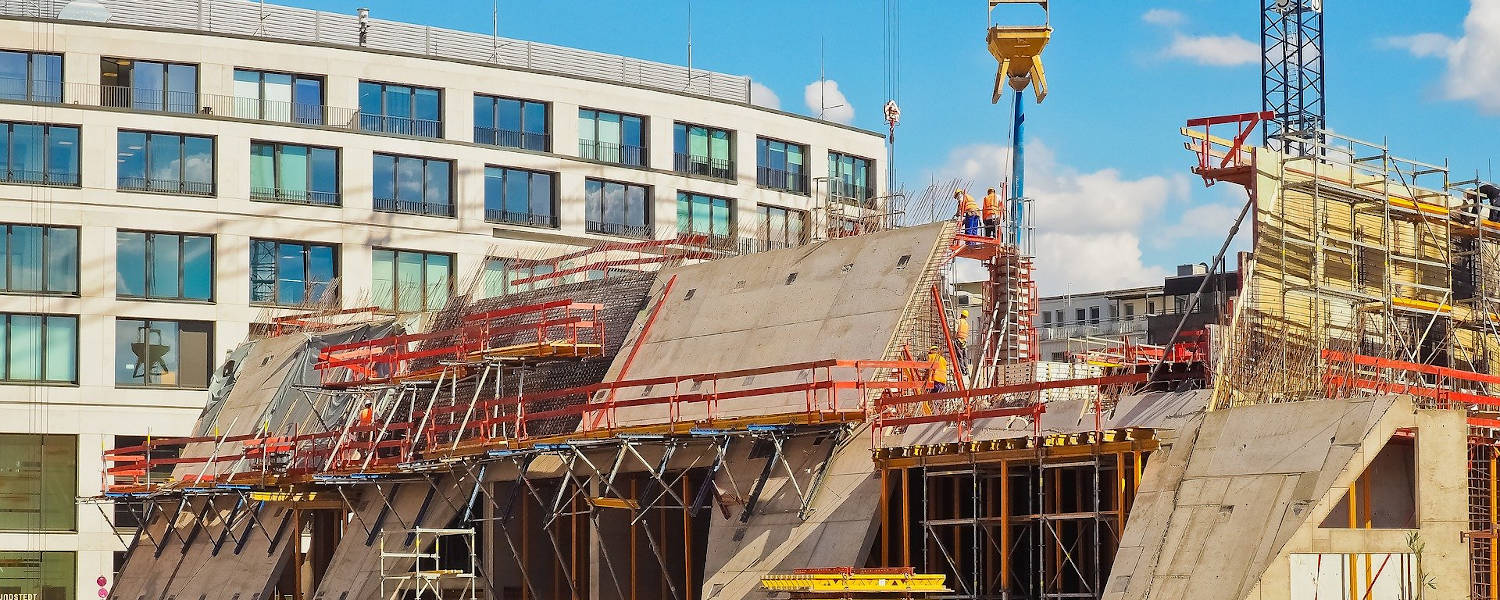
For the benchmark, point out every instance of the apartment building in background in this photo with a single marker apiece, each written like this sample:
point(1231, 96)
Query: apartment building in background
point(173, 172)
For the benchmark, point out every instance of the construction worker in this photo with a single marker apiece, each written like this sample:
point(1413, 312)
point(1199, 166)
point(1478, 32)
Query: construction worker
point(991, 213)
point(968, 210)
point(961, 340)
point(937, 377)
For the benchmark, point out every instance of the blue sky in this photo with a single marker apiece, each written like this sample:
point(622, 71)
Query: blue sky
point(1116, 204)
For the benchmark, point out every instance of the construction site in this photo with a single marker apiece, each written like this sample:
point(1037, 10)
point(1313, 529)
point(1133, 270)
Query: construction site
point(705, 422)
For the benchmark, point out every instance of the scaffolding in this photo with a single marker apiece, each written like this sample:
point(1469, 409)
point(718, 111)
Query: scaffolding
point(429, 573)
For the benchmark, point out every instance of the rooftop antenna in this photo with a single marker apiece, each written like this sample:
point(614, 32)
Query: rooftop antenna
point(691, 76)
point(823, 84)
point(260, 29)
point(495, 32)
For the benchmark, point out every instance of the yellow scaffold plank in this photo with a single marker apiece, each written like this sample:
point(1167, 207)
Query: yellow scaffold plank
point(856, 583)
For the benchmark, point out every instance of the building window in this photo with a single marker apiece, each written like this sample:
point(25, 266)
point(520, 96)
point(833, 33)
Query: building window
point(612, 137)
point(781, 227)
point(615, 208)
point(292, 273)
point(148, 85)
point(28, 575)
point(703, 151)
point(519, 197)
point(1060, 320)
point(38, 348)
point(174, 354)
point(512, 123)
point(39, 260)
point(1093, 315)
point(849, 179)
point(499, 273)
point(781, 165)
point(1151, 308)
point(166, 163)
point(1114, 311)
point(35, 154)
point(39, 480)
point(294, 173)
point(403, 109)
point(407, 281)
point(1082, 316)
point(1046, 317)
point(164, 266)
point(1129, 312)
point(30, 76)
point(705, 215)
point(413, 185)
point(284, 97)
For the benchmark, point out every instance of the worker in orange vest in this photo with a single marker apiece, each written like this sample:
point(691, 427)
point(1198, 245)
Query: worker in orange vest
point(968, 210)
point(937, 377)
point(991, 214)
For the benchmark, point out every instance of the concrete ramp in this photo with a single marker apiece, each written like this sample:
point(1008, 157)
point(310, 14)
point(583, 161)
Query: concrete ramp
point(1231, 508)
point(207, 548)
point(354, 571)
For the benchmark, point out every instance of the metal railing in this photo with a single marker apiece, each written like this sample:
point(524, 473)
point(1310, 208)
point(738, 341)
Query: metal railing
point(779, 179)
point(642, 232)
point(717, 168)
point(1102, 328)
point(528, 219)
point(30, 90)
point(308, 197)
point(413, 207)
point(47, 178)
point(401, 125)
point(506, 138)
point(165, 186)
point(851, 193)
point(275, 22)
point(634, 156)
point(255, 109)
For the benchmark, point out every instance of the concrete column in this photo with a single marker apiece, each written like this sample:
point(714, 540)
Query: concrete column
point(659, 142)
point(458, 114)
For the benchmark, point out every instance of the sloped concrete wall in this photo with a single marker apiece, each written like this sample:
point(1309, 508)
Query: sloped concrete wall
point(1227, 500)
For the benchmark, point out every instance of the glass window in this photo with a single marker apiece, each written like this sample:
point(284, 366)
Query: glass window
point(148, 85)
point(519, 197)
point(413, 185)
point(163, 353)
point(292, 273)
point(165, 163)
point(403, 109)
point(781, 227)
point(39, 480)
point(849, 178)
point(511, 122)
point(39, 259)
point(408, 281)
point(496, 278)
point(781, 165)
point(703, 151)
point(616, 208)
point(294, 173)
point(705, 215)
point(164, 266)
point(284, 97)
point(30, 76)
point(612, 137)
point(36, 154)
point(39, 348)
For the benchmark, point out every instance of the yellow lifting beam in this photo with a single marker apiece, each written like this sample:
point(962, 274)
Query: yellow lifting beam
point(855, 582)
point(1019, 51)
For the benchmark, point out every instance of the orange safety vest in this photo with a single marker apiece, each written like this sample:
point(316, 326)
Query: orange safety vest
point(967, 205)
point(939, 372)
point(366, 416)
point(991, 206)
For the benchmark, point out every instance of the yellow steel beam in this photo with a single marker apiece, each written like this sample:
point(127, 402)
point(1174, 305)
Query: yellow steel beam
point(855, 583)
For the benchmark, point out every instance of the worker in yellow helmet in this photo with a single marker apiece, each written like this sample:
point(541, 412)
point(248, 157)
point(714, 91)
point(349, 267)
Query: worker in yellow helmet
point(968, 210)
point(937, 377)
point(961, 340)
point(991, 214)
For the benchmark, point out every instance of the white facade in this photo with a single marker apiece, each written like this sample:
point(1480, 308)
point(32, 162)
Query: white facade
point(95, 409)
point(1114, 315)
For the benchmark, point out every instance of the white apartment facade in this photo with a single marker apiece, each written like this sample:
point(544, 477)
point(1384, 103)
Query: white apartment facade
point(174, 171)
point(1113, 315)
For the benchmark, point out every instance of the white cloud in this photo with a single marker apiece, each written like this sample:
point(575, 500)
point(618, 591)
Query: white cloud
point(828, 101)
point(1089, 224)
point(1214, 50)
point(1164, 17)
point(1473, 69)
point(760, 95)
point(1421, 45)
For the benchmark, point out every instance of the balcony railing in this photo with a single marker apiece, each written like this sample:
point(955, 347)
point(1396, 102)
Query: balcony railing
point(413, 207)
point(717, 168)
point(851, 193)
point(520, 218)
point(47, 178)
point(634, 156)
point(642, 232)
point(165, 186)
point(401, 125)
point(22, 89)
point(1111, 327)
point(506, 138)
point(778, 179)
point(307, 197)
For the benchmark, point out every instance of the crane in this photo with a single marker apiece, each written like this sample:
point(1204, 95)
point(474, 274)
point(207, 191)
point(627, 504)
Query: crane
point(1018, 48)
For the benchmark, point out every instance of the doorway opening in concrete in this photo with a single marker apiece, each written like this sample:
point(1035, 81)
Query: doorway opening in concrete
point(1385, 494)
